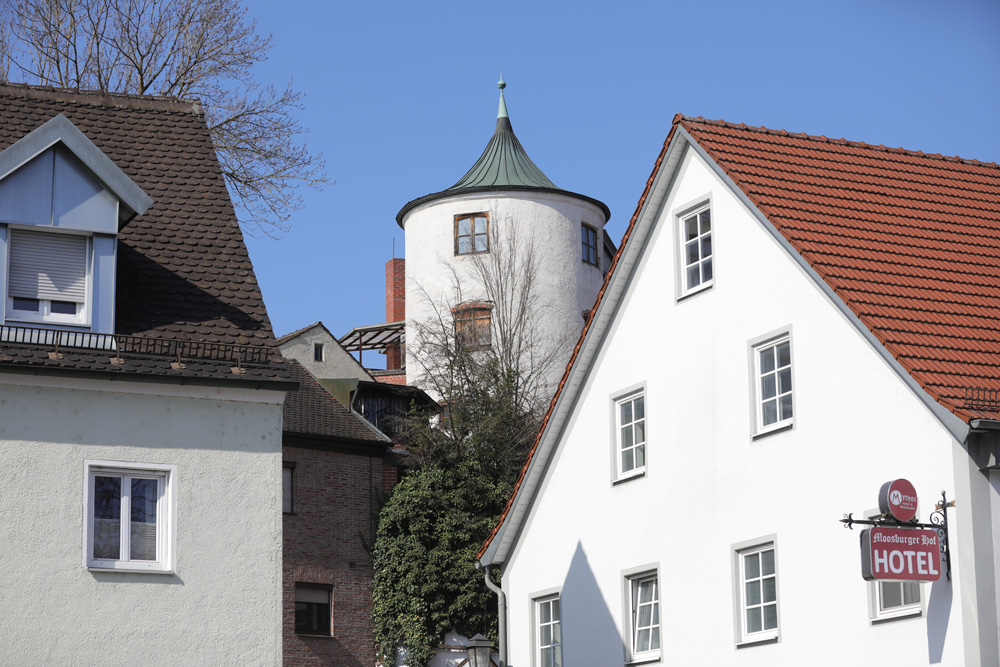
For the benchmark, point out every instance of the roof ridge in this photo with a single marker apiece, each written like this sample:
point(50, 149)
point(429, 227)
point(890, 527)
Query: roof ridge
point(135, 101)
point(292, 334)
point(681, 119)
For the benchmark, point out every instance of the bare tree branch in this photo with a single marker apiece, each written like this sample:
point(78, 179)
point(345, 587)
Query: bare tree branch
point(204, 49)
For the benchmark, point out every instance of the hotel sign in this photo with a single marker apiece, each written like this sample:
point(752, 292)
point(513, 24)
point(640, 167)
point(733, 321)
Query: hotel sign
point(900, 554)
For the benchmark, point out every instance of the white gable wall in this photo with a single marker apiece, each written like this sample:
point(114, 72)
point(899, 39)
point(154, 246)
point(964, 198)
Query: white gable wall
point(337, 362)
point(709, 486)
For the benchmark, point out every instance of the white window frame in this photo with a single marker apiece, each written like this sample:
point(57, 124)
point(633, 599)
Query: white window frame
point(877, 614)
point(537, 601)
point(633, 579)
point(45, 315)
point(617, 400)
point(681, 219)
point(757, 373)
point(165, 516)
point(744, 636)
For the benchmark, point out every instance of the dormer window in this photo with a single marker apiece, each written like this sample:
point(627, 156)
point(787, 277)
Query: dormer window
point(47, 277)
point(62, 203)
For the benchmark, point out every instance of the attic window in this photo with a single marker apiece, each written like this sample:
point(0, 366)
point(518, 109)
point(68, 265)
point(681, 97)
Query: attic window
point(47, 277)
point(317, 351)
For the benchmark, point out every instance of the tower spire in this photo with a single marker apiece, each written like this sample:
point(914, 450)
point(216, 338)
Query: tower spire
point(502, 111)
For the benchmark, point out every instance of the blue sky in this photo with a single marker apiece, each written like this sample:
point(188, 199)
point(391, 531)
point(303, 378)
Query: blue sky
point(401, 98)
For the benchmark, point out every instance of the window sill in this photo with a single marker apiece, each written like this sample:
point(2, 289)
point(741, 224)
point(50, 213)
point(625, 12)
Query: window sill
point(303, 634)
point(902, 616)
point(695, 291)
point(644, 659)
point(129, 570)
point(771, 431)
point(634, 474)
point(747, 643)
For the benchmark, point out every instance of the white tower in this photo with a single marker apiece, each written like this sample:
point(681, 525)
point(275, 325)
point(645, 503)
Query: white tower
point(505, 205)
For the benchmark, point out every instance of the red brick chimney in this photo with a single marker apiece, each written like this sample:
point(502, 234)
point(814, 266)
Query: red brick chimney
point(395, 305)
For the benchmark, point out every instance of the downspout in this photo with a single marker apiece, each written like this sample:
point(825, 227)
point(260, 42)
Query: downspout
point(501, 612)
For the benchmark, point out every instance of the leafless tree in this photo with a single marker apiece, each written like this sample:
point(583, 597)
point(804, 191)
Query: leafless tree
point(494, 388)
point(204, 49)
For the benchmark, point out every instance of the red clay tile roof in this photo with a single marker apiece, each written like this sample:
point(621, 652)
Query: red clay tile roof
point(909, 241)
point(311, 410)
point(183, 268)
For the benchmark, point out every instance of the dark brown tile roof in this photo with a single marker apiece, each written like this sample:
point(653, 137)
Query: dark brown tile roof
point(311, 410)
point(183, 268)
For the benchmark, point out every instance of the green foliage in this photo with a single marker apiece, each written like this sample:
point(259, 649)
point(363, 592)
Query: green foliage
point(426, 582)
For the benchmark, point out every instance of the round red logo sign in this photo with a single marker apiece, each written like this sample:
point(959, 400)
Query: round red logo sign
point(898, 499)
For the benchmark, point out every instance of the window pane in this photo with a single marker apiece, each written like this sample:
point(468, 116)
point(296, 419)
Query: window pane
point(693, 277)
point(911, 592)
point(892, 594)
point(464, 245)
point(107, 517)
point(751, 565)
point(786, 407)
point(639, 408)
point(706, 221)
point(465, 227)
point(753, 620)
point(547, 659)
point(770, 409)
point(481, 244)
point(628, 460)
point(706, 269)
point(784, 354)
point(642, 641)
point(692, 252)
point(30, 305)
point(143, 527)
point(545, 635)
point(770, 617)
point(753, 592)
point(785, 381)
point(769, 590)
point(691, 228)
point(626, 412)
point(706, 246)
point(545, 612)
point(654, 640)
point(63, 307)
point(767, 386)
point(640, 456)
point(767, 360)
point(647, 590)
point(627, 437)
point(767, 562)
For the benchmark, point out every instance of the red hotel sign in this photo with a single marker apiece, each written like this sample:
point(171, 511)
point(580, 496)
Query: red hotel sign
point(900, 554)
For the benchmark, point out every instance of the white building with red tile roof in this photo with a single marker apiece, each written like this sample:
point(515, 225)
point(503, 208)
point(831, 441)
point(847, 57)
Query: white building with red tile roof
point(826, 317)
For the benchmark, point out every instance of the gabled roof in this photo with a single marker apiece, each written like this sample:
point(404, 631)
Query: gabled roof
point(503, 166)
point(313, 412)
point(905, 243)
point(183, 272)
point(298, 332)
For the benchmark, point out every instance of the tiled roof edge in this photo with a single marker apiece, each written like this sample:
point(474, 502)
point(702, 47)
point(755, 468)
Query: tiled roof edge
point(97, 97)
point(687, 120)
point(298, 332)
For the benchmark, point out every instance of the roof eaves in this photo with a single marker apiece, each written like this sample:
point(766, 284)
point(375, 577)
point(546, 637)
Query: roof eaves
point(606, 304)
point(59, 129)
point(952, 422)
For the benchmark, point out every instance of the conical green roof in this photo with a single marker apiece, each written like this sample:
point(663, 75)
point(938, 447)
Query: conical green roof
point(504, 165)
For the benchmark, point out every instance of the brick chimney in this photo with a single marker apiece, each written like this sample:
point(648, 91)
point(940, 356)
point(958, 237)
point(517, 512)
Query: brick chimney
point(395, 305)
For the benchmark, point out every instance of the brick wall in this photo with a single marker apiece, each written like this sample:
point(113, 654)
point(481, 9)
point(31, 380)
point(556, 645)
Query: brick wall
point(334, 496)
point(395, 305)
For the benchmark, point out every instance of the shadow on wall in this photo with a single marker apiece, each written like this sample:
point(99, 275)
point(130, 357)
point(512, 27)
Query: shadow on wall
point(590, 636)
point(938, 613)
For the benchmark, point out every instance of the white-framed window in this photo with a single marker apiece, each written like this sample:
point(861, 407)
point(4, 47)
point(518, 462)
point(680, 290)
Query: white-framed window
point(630, 433)
point(472, 233)
point(129, 513)
point(642, 609)
point(772, 379)
point(48, 277)
point(696, 256)
point(313, 609)
point(889, 600)
point(548, 632)
point(588, 236)
point(756, 579)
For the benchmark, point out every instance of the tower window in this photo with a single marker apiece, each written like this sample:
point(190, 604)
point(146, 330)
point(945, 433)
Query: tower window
point(472, 233)
point(472, 324)
point(589, 237)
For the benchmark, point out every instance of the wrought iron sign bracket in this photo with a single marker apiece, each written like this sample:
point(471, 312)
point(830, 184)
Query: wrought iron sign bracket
point(938, 523)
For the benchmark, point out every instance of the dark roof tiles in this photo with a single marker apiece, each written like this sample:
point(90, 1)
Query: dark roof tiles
point(312, 410)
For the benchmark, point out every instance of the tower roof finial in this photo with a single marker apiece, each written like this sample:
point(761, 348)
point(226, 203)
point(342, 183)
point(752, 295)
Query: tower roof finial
point(502, 111)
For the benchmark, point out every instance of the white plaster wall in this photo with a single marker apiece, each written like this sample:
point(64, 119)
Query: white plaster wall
point(548, 223)
point(709, 486)
point(337, 362)
point(221, 606)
